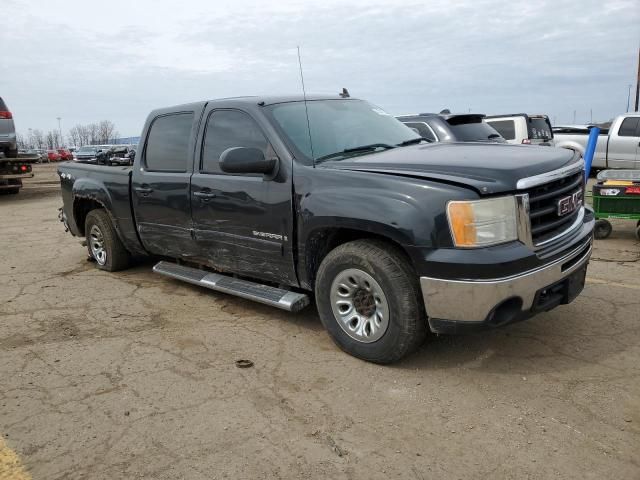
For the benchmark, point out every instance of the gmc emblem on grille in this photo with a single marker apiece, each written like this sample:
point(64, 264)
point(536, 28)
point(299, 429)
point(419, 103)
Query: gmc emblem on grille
point(569, 204)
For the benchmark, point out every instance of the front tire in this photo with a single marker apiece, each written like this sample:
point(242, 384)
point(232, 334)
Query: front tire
point(369, 300)
point(103, 242)
point(602, 229)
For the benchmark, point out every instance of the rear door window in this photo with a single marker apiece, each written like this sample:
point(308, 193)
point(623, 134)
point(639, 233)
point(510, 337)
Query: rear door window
point(168, 143)
point(540, 129)
point(506, 128)
point(629, 127)
point(472, 130)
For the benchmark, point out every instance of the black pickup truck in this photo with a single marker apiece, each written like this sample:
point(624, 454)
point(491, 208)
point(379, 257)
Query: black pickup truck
point(277, 199)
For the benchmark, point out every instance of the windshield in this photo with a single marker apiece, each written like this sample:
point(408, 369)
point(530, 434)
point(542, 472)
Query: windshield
point(86, 150)
point(473, 130)
point(339, 125)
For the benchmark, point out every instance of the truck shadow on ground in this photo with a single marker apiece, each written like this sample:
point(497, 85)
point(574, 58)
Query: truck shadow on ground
point(566, 338)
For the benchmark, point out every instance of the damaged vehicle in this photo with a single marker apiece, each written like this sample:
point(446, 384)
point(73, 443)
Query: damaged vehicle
point(284, 199)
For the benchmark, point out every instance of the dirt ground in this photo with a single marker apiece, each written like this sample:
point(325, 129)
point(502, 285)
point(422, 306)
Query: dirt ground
point(132, 375)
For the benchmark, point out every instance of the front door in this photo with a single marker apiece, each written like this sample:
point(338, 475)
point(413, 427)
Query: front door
point(242, 223)
point(160, 187)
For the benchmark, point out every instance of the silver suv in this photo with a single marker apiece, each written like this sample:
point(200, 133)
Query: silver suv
point(8, 143)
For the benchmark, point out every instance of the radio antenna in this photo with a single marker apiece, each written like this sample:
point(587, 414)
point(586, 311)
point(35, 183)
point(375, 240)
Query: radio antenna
point(306, 110)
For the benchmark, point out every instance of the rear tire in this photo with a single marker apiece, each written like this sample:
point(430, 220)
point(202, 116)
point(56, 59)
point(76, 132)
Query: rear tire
point(370, 302)
point(103, 243)
point(638, 231)
point(13, 191)
point(602, 229)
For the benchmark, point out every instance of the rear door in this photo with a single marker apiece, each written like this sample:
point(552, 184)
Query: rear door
point(623, 148)
point(242, 222)
point(160, 186)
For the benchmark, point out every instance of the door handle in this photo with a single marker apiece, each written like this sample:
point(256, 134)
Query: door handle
point(204, 195)
point(144, 190)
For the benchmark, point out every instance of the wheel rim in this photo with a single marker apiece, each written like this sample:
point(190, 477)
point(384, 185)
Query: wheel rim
point(359, 305)
point(96, 243)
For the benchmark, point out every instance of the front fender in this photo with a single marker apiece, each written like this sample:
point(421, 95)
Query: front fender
point(570, 145)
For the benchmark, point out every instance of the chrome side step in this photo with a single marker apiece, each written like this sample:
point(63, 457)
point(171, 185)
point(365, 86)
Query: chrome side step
point(276, 297)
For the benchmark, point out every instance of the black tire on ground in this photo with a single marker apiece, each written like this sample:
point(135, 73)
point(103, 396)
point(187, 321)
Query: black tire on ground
point(13, 191)
point(638, 231)
point(116, 257)
point(602, 229)
point(388, 266)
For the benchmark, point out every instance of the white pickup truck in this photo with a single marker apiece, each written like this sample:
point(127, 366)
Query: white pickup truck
point(619, 147)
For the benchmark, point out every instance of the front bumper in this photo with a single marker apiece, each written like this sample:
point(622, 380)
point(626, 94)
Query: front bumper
point(454, 306)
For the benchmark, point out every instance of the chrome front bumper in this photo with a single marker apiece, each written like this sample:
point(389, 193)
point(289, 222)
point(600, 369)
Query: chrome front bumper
point(472, 301)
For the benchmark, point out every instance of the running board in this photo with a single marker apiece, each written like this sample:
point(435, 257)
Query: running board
point(276, 297)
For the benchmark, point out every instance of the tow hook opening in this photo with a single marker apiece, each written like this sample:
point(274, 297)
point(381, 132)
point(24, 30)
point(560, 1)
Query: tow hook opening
point(504, 313)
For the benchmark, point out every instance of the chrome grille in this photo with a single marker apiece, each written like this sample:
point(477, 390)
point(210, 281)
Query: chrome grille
point(546, 223)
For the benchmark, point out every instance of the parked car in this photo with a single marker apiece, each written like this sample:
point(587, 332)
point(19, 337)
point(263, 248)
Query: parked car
point(394, 235)
point(53, 155)
point(43, 157)
point(8, 143)
point(520, 128)
point(467, 127)
point(120, 155)
point(617, 147)
point(65, 154)
point(89, 153)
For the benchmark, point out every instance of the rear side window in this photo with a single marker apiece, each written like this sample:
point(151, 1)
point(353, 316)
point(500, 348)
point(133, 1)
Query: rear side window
point(168, 143)
point(227, 129)
point(472, 130)
point(423, 130)
point(629, 127)
point(3, 106)
point(540, 129)
point(506, 128)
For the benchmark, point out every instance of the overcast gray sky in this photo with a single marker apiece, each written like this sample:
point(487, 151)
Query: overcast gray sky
point(86, 61)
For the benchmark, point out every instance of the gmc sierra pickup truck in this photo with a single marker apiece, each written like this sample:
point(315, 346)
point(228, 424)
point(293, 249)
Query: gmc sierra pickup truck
point(280, 199)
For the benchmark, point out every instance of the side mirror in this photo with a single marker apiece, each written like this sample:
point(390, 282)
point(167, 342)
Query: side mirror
point(246, 160)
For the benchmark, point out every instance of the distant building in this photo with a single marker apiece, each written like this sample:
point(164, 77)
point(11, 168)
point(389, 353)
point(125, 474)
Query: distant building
point(126, 141)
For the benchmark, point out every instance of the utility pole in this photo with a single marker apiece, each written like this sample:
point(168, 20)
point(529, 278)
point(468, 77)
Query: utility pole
point(60, 130)
point(638, 81)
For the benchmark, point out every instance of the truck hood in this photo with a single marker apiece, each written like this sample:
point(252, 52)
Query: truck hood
point(487, 168)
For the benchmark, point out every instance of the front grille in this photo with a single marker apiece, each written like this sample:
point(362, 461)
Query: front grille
point(543, 207)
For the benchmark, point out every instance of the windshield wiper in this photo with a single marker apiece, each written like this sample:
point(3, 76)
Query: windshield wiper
point(413, 141)
point(494, 135)
point(363, 148)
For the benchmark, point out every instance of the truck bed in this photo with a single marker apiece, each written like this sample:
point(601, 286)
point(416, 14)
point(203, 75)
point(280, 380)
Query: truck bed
point(109, 186)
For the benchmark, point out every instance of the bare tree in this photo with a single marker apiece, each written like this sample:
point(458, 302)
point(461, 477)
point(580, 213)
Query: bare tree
point(21, 141)
point(37, 138)
point(93, 133)
point(53, 139)
point(74, 136)
point(106, 131)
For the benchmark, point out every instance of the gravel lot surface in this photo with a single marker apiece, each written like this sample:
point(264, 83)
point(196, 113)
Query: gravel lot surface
point(131, 375)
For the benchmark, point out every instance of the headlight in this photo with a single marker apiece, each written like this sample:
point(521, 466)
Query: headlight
point(480, 223)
